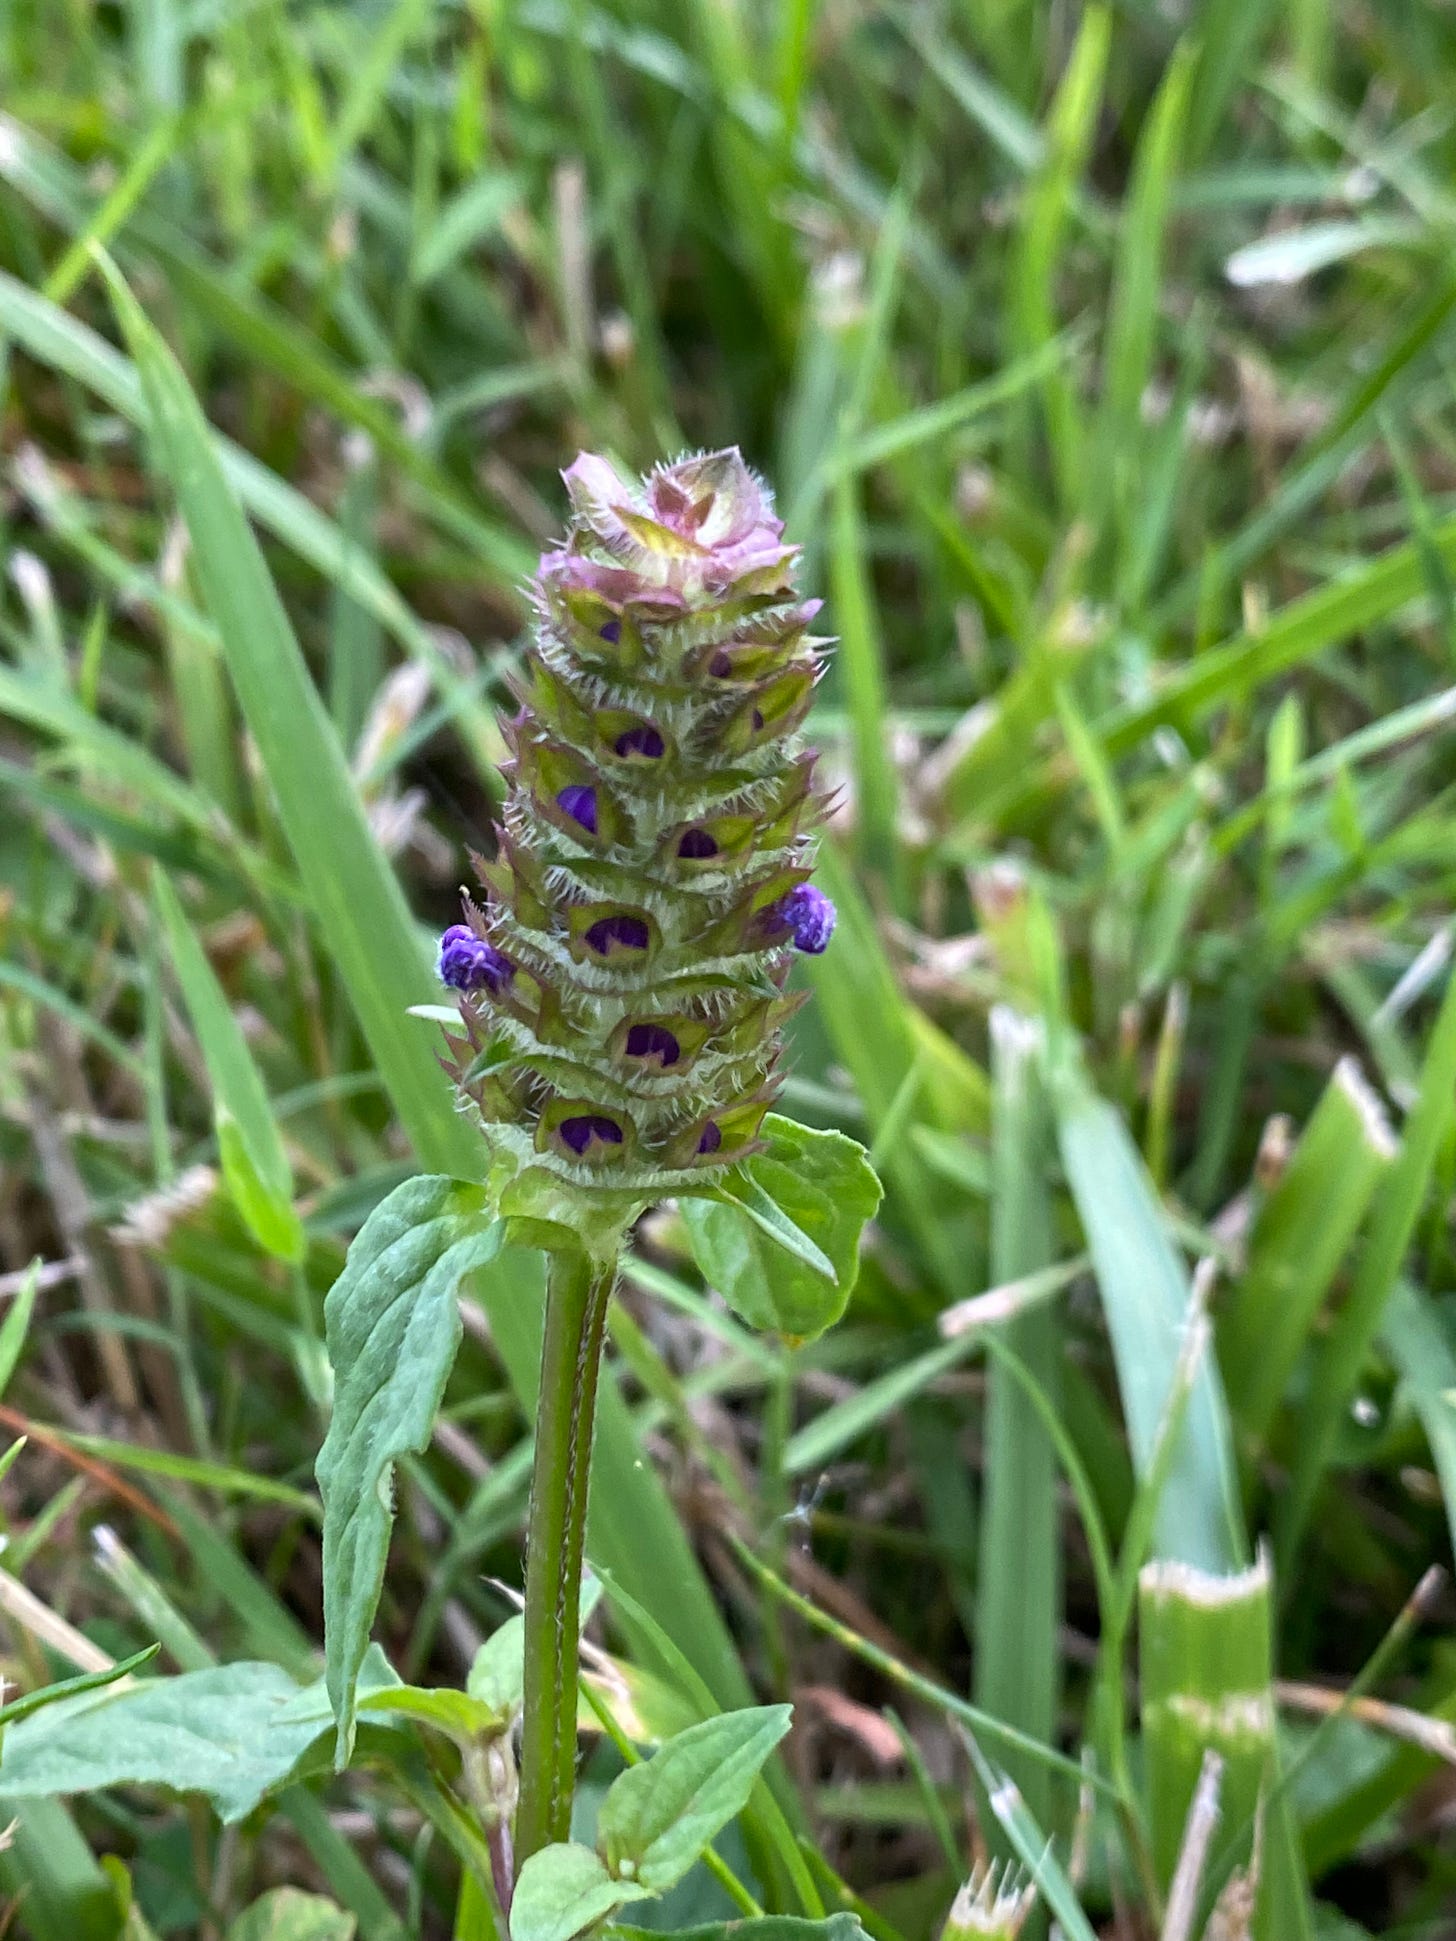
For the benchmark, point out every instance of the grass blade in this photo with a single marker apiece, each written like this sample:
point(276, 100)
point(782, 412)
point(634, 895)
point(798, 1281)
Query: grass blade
point(1146, 1297)
point(1018, 1608)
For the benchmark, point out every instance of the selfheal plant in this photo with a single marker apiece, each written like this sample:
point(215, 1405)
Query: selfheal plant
point(622, 976)
point(622, 981)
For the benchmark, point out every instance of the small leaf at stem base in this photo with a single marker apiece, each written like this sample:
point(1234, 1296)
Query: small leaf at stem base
point(795, 1211)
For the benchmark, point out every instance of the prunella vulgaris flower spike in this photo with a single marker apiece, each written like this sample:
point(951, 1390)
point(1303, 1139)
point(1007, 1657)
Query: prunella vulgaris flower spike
point(622, 979)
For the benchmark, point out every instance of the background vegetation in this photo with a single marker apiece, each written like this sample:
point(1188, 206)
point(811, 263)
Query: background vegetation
point(1102, 363)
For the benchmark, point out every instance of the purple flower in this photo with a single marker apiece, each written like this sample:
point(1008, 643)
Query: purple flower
point(712, 1138)
point(653, 1041)
point(810, 916)
point(579, 801)
point(468, 963)
point(589, 1130)
point(618, 932)
point(696, 845)
point(641, 740)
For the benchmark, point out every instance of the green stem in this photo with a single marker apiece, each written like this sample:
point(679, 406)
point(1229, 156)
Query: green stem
point(577, 1292)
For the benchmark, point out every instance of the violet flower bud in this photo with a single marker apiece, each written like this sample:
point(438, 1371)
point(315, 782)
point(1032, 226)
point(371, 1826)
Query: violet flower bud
point(469, 963)
point(810, 916)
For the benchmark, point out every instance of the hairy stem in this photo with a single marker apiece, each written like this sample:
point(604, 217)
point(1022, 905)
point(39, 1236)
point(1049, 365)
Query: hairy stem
point(577, 1292)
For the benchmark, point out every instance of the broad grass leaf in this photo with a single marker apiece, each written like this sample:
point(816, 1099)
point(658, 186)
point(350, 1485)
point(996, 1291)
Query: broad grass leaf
point(393, 1326)
point(563, 1890)
point(819, 1185)
point(658, 1817)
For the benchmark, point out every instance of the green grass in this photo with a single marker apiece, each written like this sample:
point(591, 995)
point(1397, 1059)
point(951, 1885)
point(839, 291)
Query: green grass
point(1106, 379)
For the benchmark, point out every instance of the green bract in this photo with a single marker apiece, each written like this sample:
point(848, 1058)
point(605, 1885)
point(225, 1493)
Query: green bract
point(622, 979)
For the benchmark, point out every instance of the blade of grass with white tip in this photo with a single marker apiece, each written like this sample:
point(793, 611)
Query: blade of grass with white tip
point(1204, 1660)
point(1393, 1221)
point(377, 950)
point(1146, 1297)
point(1018, 1608)
point(1300, 1237)
point(1031, 1846)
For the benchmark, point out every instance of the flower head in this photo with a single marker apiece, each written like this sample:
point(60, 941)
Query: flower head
point(623, 984)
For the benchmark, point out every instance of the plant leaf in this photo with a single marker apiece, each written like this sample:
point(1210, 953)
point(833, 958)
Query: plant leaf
point(822, 1186)
point(288, 1914)
point(233, 1733)
point(393, 1326)
point(658, 1817)
point(498, 1673)
point(772, 1927)
point(564, 1889)
point(456, 1714)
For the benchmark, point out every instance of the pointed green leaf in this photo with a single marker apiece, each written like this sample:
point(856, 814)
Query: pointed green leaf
point(1147, 1299)
point(393, 1326)
point(233, 1733)
point(820, 1186)
point(658, 1817)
